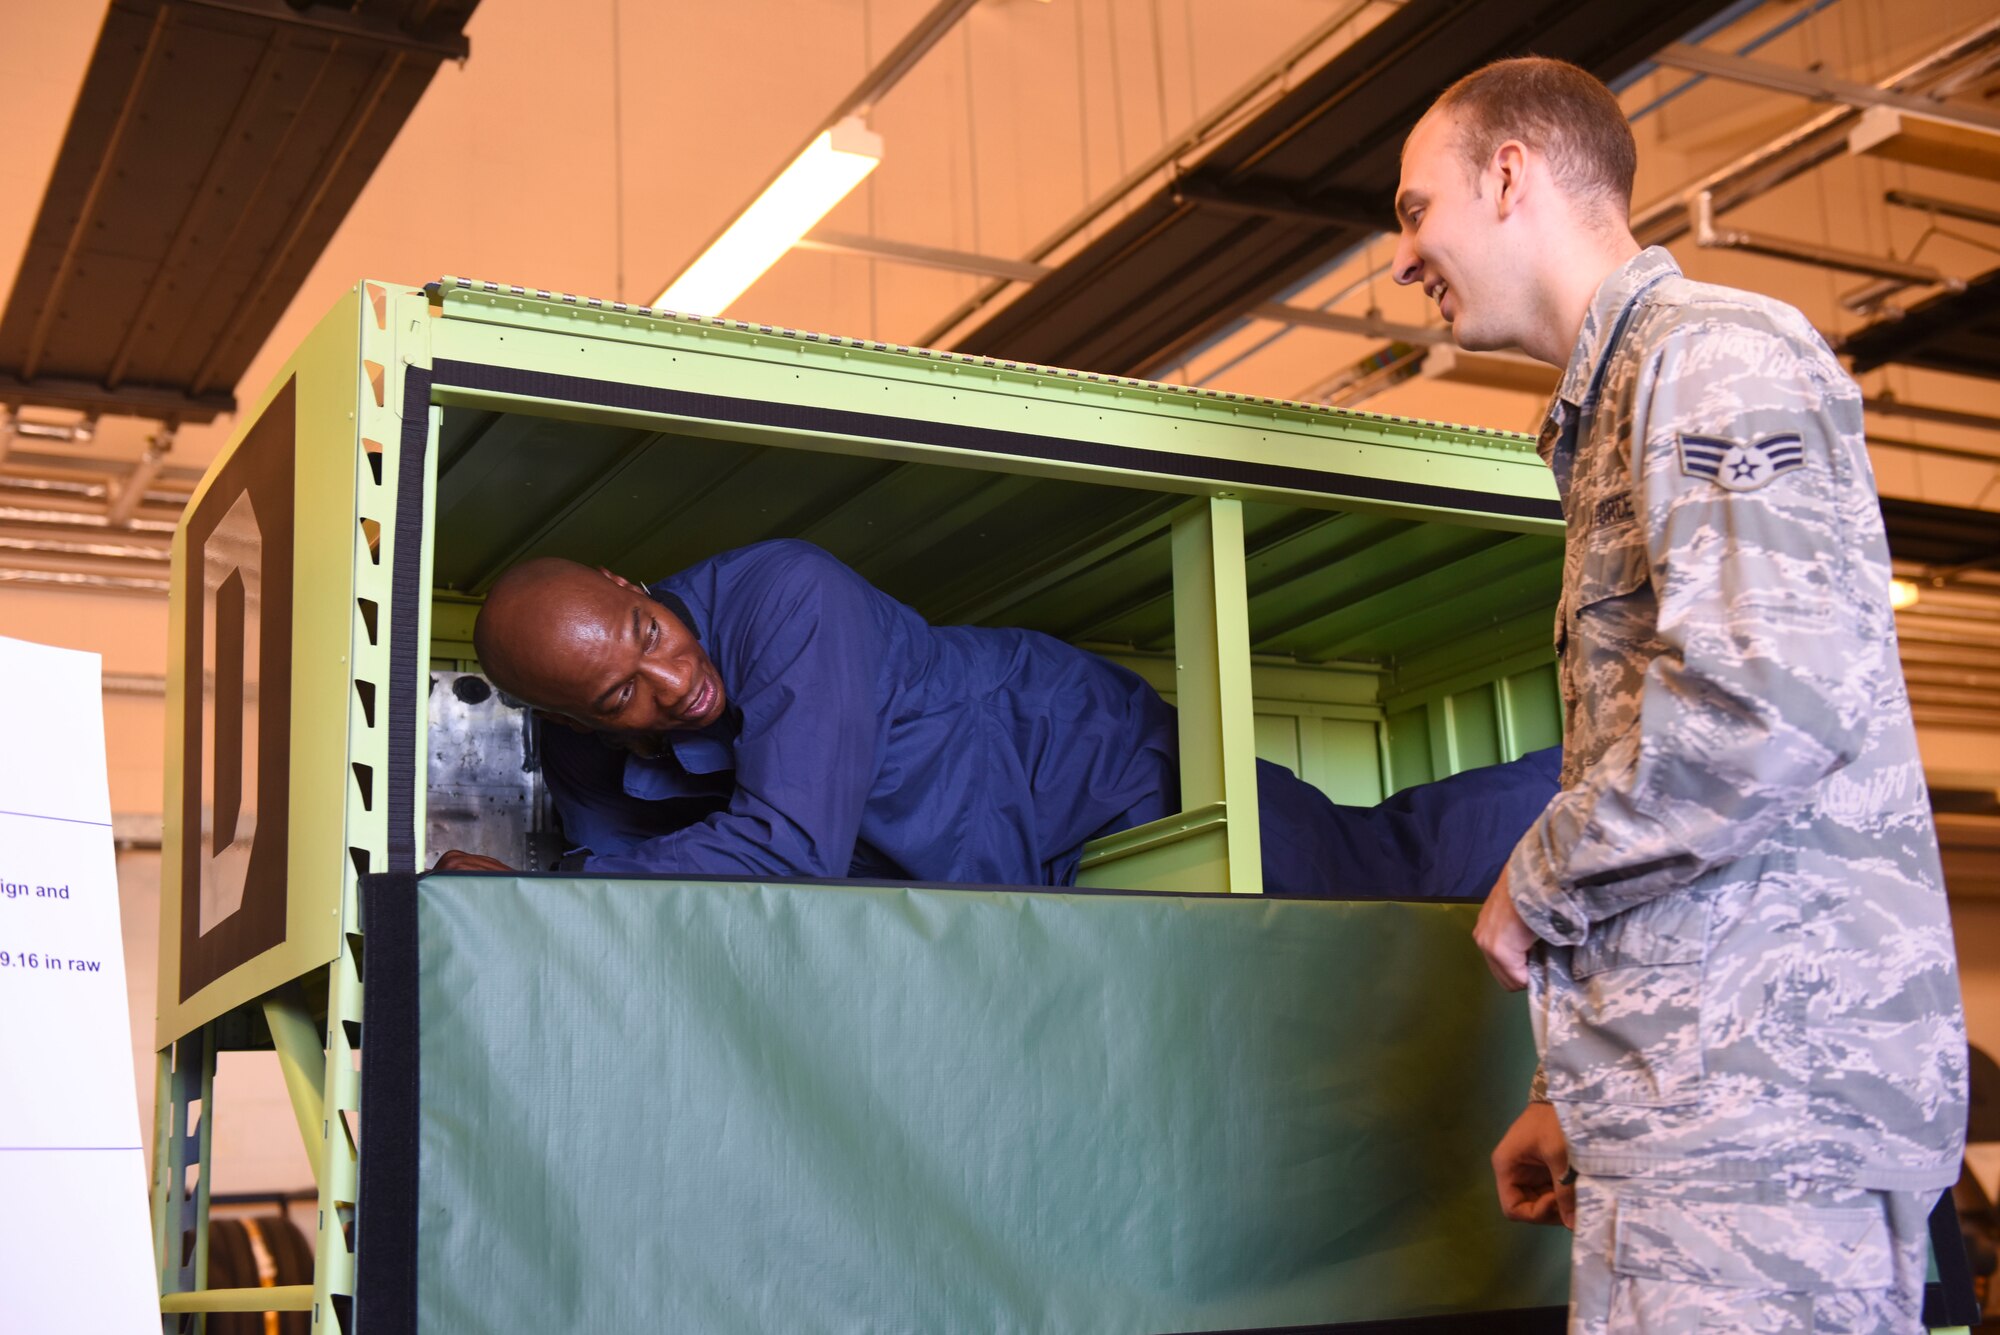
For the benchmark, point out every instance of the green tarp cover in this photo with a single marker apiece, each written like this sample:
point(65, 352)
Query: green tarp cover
point(615, 1104)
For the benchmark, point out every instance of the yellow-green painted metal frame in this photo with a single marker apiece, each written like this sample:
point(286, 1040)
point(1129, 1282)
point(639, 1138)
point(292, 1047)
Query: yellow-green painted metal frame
point(527, 331)
point(351, 375)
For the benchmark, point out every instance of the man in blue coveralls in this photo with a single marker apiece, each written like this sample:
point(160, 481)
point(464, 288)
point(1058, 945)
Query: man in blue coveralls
point(767, 712)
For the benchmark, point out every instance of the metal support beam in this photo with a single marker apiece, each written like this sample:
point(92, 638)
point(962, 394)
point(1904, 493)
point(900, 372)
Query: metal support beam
point(80, 432)
point(1373, 326)
point(1823, 137)
point(1917, 412)
point(350, 27)
point(124, 401)
point(1706, 234)
point(1944, 208)
point(118, 512)
point(925, 257)
point(277, 1298)
point(1212, 689)
point(926, 33)
point(1345, 210)
point(302, 1058)
point(1820, 87)
point(1493, 370)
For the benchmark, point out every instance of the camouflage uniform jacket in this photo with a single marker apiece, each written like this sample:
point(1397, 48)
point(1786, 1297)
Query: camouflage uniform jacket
point(1749, 969)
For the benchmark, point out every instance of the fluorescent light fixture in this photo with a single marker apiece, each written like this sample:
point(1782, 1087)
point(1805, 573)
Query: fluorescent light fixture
point(804, 192)
point(1902, 593)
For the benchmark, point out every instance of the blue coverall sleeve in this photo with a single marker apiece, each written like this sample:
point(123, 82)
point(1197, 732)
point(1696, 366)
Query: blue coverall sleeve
point(808, 657)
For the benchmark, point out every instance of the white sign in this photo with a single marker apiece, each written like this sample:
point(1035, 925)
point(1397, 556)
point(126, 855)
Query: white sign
point(75, 1244)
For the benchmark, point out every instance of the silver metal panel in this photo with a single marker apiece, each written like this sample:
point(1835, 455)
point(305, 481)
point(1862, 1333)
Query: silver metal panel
point(485, 791)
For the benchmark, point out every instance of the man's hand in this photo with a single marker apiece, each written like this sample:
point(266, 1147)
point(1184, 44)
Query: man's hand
point(1503, 938)
point(457, 861)
point(1529, 1166)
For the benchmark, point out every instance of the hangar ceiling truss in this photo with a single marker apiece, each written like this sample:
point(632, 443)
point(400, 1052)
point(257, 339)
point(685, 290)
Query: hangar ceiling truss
point(1298, 184)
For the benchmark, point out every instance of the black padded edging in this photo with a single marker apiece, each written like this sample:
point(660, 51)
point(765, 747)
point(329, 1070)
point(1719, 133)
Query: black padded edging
point(1507, 1321)
point(984, 440)
point(385, 1234)
point(1951, 1300)
point(406, 608)
point(975, 887)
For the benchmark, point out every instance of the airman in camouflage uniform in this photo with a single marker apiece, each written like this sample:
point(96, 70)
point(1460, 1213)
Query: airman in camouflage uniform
point(1741, 969)
point(1749, 976)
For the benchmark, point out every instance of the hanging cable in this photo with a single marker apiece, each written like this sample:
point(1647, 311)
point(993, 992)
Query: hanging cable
point(971, 141)
point(1194, 88)
point(1117, 87)
point(617, 153)
point(874, 266)
point(1082, 106)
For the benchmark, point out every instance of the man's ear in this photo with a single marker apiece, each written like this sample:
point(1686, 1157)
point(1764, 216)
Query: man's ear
point(620, 580)
point(1509, 175)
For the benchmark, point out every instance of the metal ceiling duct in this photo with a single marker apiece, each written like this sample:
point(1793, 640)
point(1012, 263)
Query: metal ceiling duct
point(214, 148)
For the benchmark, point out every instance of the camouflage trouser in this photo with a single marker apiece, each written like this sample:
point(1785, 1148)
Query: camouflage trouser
point(1657, 1257)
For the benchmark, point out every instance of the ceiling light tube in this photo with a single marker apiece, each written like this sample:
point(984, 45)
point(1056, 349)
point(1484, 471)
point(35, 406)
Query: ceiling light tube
point(806, 191)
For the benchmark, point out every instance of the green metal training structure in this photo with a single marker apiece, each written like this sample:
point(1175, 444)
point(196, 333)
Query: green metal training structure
point(1364, 598)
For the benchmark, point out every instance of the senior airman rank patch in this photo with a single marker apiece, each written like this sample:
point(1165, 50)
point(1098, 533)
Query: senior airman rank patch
point(1741, 465)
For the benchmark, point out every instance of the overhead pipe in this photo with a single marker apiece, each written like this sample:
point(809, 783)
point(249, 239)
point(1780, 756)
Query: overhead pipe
point(1946, 208)
point(70, 579)
point(1873, 298)
point(1708, 236)
point(1799, 150)
point(19, 514)
point(80, 432)
point(1707, 29)
point(43, 464)
point(1821, 87)
point(1884, 406)
point(109, 550)
point(55, 486)
point(1818, 140)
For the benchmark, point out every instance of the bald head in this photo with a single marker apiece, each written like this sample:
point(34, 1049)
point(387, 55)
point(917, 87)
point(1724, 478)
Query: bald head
point(530, 615)
point(595, 648)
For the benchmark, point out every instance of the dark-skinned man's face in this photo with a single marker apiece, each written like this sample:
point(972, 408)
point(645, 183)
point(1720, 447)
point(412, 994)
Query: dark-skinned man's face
point(618, 662)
